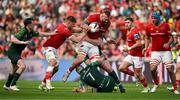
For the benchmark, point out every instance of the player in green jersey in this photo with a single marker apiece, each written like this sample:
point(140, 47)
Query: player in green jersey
point(90, 75)
point(19, 42)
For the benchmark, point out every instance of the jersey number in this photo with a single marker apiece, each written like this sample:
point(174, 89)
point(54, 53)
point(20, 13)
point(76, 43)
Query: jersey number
point(90, 75)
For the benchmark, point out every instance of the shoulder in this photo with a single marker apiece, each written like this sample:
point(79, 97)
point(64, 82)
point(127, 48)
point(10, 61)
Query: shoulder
point(148, 25)
point(93, 16)
point(165, 24)
point(23, 29)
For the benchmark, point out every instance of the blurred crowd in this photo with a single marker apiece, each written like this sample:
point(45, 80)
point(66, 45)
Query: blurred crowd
point(49, 13)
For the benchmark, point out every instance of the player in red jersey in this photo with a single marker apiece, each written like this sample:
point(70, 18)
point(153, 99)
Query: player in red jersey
point(159, 33)
point(135, 57)
point(64, 31)
point(90, 45)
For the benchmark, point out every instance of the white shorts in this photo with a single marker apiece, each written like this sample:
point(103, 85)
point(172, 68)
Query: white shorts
point(50, 53)
point(88, 49)
point(161, 56)
point(137, 62)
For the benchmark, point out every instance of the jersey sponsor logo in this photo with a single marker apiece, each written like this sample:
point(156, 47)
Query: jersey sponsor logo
point(136, 36)
point(157, 33)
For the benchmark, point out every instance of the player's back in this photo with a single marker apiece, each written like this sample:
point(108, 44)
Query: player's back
point(92, 76)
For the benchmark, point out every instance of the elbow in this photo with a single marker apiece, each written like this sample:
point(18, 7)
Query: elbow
point(12, 40)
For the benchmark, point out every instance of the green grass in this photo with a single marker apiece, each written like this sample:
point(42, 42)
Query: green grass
point(29, 91)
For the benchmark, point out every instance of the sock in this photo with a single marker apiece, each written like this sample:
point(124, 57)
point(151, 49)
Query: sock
point(48, 76)
point(10, 78)
point(144, 82)
point(49, 72)
point(129, 72)
point(114, 76)
point(16, 77)
point(175, 86)
point(156, 81)
point(71, 68)
point(177, 82)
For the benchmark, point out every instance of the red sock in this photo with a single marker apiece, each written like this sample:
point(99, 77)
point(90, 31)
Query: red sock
point(71, 68)
point(177, 82)
point(144, 82)
point(48, 76)
point(156, 81)
point(175, 86)
point(129, 72)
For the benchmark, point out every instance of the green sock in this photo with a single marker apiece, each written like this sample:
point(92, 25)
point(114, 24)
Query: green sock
point(114, 76)
point(16, 77)
point(10, 78)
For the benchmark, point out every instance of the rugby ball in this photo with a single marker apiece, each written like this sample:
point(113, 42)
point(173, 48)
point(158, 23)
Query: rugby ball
point(94, 27)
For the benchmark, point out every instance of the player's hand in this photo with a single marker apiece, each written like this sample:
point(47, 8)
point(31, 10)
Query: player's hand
point(144, 50)
point(125, 49)
point(166, 45)
point(86, 28)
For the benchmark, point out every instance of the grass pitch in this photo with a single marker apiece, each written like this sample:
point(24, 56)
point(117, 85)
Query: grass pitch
point(63, 91)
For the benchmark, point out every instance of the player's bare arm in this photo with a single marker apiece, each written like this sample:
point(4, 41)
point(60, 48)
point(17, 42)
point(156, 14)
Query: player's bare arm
point(46, 34)
point(147, 41)
point(137, 44)
point(76, 37)
point(77, 29)
point(108, 37)
point(16, 41)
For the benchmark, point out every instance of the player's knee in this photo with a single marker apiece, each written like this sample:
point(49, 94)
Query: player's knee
point(53, 62)
point(21, 65)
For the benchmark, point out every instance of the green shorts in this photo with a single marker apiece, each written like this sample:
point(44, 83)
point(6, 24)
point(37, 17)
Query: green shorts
point(14, 56)
point(107, 87)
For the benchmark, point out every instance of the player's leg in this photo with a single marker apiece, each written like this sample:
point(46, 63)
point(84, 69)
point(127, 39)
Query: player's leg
point(167, 59)
point(51, 56)
point(10, 77)
point(125, 64)
point(81, 54)
point(138, 64)
point(19, 71)
point(94, 54)
point(154, 62)
point(14, 57)
point(178, 71)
